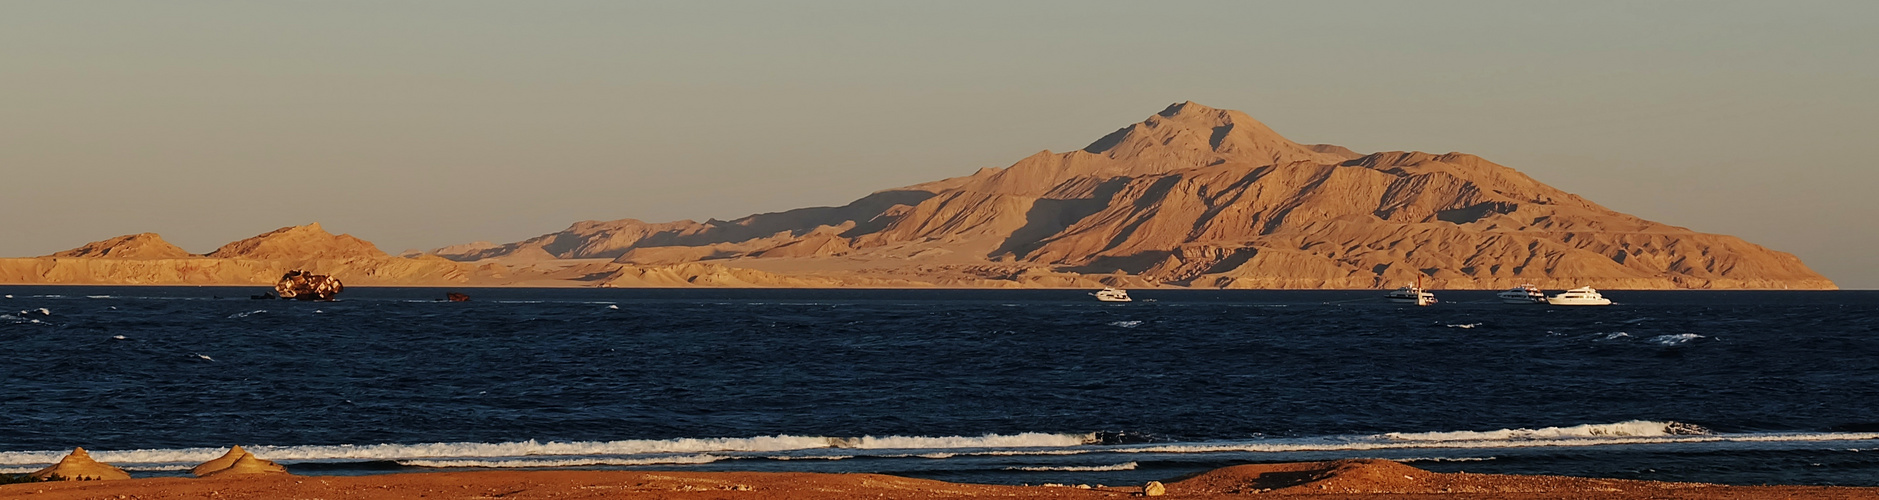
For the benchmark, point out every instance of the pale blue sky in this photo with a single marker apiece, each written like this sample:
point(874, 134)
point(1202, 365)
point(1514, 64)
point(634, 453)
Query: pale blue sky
point(421, 124)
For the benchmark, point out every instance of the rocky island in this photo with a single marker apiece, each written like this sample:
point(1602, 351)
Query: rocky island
point(1190, 197)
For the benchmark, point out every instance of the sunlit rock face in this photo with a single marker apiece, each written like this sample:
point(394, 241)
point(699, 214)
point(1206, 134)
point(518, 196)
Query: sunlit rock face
point(302, 285)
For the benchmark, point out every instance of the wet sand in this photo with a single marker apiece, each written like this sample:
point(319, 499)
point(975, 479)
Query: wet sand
point(1330, 480)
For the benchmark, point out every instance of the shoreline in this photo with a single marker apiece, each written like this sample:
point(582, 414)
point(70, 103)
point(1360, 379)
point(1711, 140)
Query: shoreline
point(932, 288)
point(1356, 478)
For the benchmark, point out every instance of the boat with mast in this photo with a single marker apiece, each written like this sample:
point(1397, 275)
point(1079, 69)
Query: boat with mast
point(1411, 295)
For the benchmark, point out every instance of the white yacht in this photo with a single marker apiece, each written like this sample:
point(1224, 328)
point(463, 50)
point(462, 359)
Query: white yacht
point(1411, 295)
point(1112, 294)
point(1523, 294)
point(1582, 296)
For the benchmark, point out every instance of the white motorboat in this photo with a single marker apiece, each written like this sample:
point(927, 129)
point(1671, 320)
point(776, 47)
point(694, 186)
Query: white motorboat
point(1112, 294)
point(1523, 294)
point(1411, 295)
point(1582, 296)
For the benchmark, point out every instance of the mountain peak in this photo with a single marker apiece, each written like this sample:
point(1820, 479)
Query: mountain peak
point(130, 246)
point(1188, 134)
point(299, 242)
point(1187, 108)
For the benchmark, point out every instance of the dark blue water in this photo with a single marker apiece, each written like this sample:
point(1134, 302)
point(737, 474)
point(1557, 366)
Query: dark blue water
point(964, 385)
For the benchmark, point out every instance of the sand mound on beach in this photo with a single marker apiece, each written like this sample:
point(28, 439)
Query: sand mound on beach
point(247, 464)
point(78, 466)
point(219, 463)
point(236, 461)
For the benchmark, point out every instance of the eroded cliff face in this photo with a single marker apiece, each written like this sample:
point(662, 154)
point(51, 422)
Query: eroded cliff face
point(1191, 196)
point(1196, 196)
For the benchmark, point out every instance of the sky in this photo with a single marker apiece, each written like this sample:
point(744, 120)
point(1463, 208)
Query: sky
point(424, 124)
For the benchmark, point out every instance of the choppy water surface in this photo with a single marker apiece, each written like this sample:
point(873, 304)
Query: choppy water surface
point(983, 386)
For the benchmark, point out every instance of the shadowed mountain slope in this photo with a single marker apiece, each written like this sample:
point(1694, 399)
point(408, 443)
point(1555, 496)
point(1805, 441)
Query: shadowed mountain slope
point(1203, 197)
point(130, 246)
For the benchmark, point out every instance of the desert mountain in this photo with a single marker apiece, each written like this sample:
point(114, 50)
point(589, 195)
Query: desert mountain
point(146, 259)
point(300, 242)
point(132, 246)
point(1203, 197)
point(1191, 196)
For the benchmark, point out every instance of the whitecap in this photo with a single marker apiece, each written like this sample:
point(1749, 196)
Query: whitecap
point(1465, 325)
point(1678, 339)
point(613, 306)
point(247, 314)
point(1126, 324)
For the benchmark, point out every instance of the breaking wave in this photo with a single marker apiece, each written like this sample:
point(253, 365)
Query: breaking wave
point(688, 451)
point(566, 450)
point(1632, 428)
point(1078, 468)
point(570, 462)
point(1678, 339)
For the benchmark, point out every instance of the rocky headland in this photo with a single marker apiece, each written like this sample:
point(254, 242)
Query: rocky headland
point(1190, 197)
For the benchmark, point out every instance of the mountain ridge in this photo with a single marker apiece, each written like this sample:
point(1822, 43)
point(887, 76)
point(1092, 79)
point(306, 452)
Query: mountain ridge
point(1191, 196)
point(1199, 196)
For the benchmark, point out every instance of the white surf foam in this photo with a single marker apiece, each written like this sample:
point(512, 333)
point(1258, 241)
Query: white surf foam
point(1678, 339)
point(570, 462)
point(247, 314)
point(565, 450)
point(1126, 324)
point(1444, 459)
point(134, 468)
point(1078, 468)
point(785, 447)
point(1025, 440)
point(1465, 325)
point(1630, 428)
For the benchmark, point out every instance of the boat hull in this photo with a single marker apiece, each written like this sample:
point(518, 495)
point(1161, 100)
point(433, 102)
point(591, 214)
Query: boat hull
point(1579, 302)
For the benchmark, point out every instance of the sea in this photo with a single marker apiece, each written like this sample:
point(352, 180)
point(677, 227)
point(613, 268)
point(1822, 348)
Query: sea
point(983, 386)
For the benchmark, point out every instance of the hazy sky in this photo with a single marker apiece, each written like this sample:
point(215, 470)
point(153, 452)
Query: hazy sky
point(422, 124)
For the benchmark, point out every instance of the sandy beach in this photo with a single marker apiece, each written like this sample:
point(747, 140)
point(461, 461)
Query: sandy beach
point(1335, 479)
